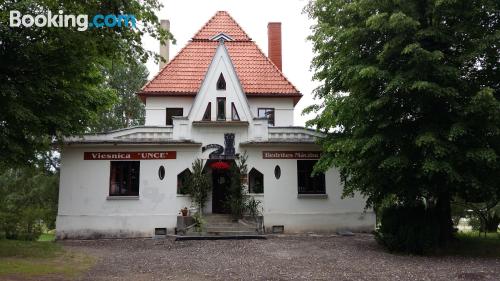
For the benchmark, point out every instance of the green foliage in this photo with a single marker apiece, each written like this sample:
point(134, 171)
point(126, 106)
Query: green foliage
point(410, 99)
point(237, 191)
point(125, 80)
point(408, 229)
point(28, 202)
point(470, 244)
point(199, 185)
point(199, 222)
point(253, 207)
point(51, 83)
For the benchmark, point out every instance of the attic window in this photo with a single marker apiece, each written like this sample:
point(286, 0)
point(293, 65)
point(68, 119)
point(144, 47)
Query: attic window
point(208, 113)
point(234, 113)
point(221, 37)
point(221, 83)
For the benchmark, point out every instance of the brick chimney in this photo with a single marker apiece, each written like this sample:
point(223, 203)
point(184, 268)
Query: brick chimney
point(274, 43)
point(165, 49)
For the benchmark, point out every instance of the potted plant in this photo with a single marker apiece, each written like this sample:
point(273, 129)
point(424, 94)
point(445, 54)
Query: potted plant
point(184, 211)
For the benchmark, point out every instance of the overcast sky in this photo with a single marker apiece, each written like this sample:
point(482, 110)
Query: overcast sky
point(188, 16)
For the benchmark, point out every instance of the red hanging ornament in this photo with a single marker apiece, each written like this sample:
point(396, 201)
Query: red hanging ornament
point(219, 165)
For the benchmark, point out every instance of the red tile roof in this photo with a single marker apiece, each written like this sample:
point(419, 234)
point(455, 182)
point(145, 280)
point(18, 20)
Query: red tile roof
point(185, 72)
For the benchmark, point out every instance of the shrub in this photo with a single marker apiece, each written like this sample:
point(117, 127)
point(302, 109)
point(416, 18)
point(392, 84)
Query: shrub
point(28, 202)
point(408, 229)
point(237, 190)
point(198, 185)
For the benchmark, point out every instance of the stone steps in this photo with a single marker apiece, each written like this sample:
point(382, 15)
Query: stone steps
point(222, 225)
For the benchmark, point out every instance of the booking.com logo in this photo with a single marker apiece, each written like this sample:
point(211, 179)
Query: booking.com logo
point(81, 22)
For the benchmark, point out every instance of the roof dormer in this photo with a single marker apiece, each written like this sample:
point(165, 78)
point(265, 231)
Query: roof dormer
point(221, 37)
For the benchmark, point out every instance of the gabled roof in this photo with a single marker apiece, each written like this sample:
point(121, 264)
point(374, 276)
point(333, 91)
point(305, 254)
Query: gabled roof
point(183, 75)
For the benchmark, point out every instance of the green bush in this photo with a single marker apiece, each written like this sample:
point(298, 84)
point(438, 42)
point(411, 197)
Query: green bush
point(28, 202)
point(407, 229)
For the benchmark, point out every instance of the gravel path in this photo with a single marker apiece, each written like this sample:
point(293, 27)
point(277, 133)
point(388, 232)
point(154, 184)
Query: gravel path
point(306, 257)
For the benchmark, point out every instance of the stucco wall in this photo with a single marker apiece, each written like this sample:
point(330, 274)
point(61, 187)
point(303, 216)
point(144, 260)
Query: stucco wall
point(85, 211)
point(156, 108)
point(283, 207)
point(283, 109)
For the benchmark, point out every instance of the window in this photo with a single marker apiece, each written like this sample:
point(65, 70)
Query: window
point(221, 83)
point(234, 114)
point(161, 172)
point(268, 113)
point(173, 112)
point(124, 178)
point(207, 116)
point(277, 172)
point(307, 183)
point(182, 181)
point(255, 181)
point(221, 109)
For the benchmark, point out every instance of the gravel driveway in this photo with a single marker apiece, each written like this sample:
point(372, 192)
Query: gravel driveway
point(305, 257)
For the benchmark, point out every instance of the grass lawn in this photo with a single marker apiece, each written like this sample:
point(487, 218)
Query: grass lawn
point(36, 259)
point(470, 244)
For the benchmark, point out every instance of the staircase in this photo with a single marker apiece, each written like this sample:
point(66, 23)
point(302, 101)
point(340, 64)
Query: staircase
point(221, 226)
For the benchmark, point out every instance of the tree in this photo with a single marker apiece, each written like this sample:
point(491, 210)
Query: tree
point(50, 77)
point(410, 95)
point(28, 202)
point(125, 80)
point(198, 185)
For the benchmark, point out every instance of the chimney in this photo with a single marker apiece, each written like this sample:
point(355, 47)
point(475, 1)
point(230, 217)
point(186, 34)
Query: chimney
point(165, 49)
point(274, 43)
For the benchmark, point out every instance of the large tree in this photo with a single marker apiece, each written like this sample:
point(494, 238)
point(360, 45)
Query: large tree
point(410, 95)
point(50, 77)
point(125, 80)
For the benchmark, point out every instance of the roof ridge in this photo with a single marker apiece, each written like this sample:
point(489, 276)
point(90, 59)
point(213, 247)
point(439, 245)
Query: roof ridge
point(220, 14)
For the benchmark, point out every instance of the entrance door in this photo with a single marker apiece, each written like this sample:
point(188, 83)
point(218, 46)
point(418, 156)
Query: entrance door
point(221, 184)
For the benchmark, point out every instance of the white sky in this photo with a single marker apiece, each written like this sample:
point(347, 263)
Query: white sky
point(188, 16)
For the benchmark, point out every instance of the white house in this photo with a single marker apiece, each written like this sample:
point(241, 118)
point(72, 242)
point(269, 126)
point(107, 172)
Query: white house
point(219, 97)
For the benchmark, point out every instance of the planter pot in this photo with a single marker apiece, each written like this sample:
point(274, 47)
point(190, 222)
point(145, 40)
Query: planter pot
point(184, 212)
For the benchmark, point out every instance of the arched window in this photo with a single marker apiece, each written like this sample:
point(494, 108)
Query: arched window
point(255, 181)
point(221, 83)
point(182, 181)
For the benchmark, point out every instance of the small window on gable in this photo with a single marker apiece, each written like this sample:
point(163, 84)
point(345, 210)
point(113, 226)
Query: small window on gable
point(221, 83)
point(221, 109)
point(234, 113)
point(208, 113)
point(182, 181)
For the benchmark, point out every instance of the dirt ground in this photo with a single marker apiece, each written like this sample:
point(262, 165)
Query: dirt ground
point(305, 257)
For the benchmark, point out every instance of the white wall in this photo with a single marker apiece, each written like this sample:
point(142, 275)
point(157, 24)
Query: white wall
point(283, 207)
point(156, 108)
point(283, 109)
point(86, 211)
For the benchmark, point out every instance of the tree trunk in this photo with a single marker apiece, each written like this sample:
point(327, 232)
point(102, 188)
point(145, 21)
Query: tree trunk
point(443, 209)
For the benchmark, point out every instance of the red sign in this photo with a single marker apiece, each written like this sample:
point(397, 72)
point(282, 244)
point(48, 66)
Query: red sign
point(291, 154)
point(130, 155)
